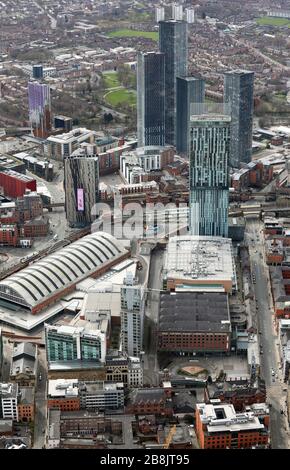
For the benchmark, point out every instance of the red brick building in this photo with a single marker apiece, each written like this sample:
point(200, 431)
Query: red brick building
point(240, 396)
point(150, 401)
point(15, 184)
point(35, 228)
point(9, 235)
point(194, 322)
point(218, 426)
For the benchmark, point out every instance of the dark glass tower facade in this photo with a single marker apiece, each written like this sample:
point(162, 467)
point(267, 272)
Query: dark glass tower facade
point(209, 174)
point(173, 43)
point(81, 185)
point(151, 99)
point(190, 91)
point(239, 94)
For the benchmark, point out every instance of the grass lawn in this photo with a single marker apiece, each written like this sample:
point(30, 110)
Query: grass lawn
point(121, 96)
point(130, 33)
point(272, 21)
point(111, 79)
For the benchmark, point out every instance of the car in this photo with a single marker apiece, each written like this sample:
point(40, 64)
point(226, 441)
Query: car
point(260, 332)
point(273, 380)
point(273, 372)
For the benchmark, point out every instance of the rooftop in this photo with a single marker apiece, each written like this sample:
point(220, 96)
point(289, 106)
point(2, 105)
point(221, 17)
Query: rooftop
point(40, 281)
point(200, 259)
point(194, 311)
point(223, 418)
point(63, 388)
point(8, 390)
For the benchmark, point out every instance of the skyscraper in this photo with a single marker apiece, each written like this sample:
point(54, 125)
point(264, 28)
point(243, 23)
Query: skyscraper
point(173, 43)
point(209, 174)
point(81, 185)
point(159, 14)
point(132, 316)
point(177, 11)
point(239, 94)
point(151, 99)
point(39, 109)
point(190, 90)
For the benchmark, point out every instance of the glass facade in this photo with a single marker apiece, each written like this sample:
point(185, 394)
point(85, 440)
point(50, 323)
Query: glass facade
point(239, 94)
point(81, 184)
point(209, 175)
point(189, 91)
point(61, 347)
point(173, 42)
point(151, 99)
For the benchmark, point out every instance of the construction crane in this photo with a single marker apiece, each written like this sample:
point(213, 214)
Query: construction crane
point(169, 437)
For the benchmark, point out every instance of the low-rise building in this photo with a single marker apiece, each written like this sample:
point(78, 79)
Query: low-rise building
point(125, 369)
point(101, 395)
point(73, 343)
point(274, 251)
point(24, 364)
point(152, 401)
point(194, 322)
point(63, 145)
point(26, 404)
point(219, 426)
point(199, 263)
point(63, 394)
point(53, 429)
point(8, 400)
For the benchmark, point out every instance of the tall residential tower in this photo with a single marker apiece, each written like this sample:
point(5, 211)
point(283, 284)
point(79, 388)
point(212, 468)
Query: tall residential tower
point(209, 174)
point(81, 185)
point(39, 109)
point(151, 99)
point(173, 43)
point(190, 93)
point(239, 94)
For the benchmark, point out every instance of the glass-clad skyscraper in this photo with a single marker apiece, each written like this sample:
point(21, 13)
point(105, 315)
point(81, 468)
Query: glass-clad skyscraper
point(39, 109)
point(239, 94)
point(151, 99)
point(81, 185)
point(209, 174)
point(173, 43)
point(190, 94)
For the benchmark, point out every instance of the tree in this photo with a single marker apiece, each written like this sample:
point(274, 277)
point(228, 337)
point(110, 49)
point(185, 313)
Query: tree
point(108, 117)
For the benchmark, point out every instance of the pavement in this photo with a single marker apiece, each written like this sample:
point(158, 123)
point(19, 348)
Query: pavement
point(265, 318)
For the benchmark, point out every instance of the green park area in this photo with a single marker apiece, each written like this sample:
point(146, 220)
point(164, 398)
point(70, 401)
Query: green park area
point(121, 96)
point(111, 79)
point(115, 93)
point(272, 21)
point(131, 33)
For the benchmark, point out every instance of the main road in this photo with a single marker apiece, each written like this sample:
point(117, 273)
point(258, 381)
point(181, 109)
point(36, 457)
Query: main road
point(267, 337)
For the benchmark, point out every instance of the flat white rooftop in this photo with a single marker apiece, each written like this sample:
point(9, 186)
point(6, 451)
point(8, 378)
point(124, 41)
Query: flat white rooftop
point(194, 258)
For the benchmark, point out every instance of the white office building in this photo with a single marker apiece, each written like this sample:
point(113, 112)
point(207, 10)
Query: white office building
point(8, 396)
point(132, 316)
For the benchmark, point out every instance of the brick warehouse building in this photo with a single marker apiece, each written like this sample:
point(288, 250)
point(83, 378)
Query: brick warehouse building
point(194, 322)
point(218, 426)
point(38, 286)
point(15, 184)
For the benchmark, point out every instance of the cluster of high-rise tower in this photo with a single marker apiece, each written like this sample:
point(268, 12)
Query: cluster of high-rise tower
point(172, 110)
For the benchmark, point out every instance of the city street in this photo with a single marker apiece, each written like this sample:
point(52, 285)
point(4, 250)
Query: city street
point(267, 338)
